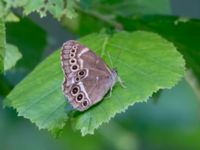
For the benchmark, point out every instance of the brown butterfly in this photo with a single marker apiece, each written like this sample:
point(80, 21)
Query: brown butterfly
point(86, 76)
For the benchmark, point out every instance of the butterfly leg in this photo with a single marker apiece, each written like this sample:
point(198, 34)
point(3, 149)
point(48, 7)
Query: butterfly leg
point(118, 77)
point(121, 82)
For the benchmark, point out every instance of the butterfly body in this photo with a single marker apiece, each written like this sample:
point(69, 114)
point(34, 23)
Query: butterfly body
point(87, 77)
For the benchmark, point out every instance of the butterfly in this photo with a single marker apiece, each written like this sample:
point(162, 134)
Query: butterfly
point(87, 78)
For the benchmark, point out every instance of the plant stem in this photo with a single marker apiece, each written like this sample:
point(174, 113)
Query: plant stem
point(106, 19)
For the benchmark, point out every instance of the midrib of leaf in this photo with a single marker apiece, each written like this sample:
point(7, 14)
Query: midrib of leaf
point(38, 100)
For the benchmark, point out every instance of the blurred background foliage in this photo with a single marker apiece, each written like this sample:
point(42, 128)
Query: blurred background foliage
point(172, 122)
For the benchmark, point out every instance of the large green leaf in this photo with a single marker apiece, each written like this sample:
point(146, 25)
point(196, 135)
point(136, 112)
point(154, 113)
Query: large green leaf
point(2, 44)
point(12, 55)
point(39, 97)
point(145, 62)
point(183, 32)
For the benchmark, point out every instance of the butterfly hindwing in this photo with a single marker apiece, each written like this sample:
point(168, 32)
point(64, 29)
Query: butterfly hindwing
point(87, 77)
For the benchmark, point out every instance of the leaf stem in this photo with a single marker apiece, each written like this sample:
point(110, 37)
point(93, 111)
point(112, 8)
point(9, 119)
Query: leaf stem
point(106, 19)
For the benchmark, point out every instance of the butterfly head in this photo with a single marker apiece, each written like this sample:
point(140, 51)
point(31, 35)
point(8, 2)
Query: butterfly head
point(114, 76)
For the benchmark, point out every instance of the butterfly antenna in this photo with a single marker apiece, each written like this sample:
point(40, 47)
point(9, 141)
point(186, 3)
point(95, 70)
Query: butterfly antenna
point(110, 59)
point(104, 47)
point(118, 77)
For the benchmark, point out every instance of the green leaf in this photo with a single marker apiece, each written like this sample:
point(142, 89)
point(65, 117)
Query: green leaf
point(145, 62)
point(1, 9)
point(57, 8)
point(70, 11)
point(15, 3)
point(39, 96)
point(12, 55)
point(183, 32)
point(11, 17)
point(2, 44)
point(6, 14)
point(31, 43)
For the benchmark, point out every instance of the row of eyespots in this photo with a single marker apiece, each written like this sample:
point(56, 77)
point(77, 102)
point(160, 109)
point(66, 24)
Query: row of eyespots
point(72, 61)
point(79, 96)
point(80, 75)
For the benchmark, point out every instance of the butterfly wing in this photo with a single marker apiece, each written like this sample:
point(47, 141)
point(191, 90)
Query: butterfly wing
point(87, 77)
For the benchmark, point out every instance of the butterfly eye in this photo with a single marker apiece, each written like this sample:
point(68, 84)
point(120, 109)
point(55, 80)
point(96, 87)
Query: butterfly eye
point(85, 103)
point(75, 90)
point(80, 97)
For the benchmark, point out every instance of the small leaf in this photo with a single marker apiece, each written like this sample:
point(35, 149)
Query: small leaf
point(31, 47)
point(2, 44)
point(12, 55)
point(54, 7)
point(145, 62)
point(11, 17)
